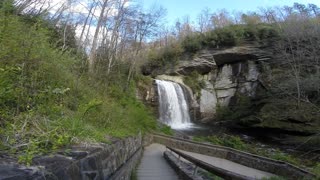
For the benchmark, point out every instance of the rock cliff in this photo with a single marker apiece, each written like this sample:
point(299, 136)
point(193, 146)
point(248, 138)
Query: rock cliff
point(236, 78)
point(223, 73)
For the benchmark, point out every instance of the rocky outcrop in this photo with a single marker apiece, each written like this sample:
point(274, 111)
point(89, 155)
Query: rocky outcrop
point(228, 76)
point(225, 73)
point(203, 64)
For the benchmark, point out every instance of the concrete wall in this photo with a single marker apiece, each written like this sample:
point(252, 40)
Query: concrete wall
point(265, 164)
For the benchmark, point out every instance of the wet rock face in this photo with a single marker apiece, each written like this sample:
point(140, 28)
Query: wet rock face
point(208, 104)
point(230, 79)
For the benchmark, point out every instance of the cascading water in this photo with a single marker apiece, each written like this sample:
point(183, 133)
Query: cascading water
point(173, 107)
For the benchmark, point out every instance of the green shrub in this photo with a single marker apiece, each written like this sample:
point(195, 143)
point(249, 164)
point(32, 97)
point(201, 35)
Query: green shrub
point(266, 32)
point(250, 32)
point(242, 108)
point(210, 39)
point(165, 130)
point(223, 113)
point(225, 140)
point(226, 37)
point(192, 43)
point(193, 81)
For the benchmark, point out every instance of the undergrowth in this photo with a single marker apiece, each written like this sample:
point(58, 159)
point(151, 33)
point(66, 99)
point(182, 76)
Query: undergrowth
point(237, 143)
point(46, 103)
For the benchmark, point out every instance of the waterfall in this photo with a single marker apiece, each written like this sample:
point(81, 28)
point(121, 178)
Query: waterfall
point(173, 107)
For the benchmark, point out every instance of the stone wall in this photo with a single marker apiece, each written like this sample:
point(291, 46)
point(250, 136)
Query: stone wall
point(91, 162)
point(250, 160)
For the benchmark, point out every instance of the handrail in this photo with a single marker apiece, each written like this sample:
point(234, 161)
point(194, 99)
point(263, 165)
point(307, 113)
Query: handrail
point(215, 170)
point(276, 163)
point(227, 148)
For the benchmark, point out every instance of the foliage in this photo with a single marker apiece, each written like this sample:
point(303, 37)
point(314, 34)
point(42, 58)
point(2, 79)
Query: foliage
point(281, 156)
point(225, 140)
point(316, 170)
point(163, 59)
point(165, 130)
point(223, 113)
point(280, 112)
point(229, 36)
point(226, 37)
point(193, 81)
point(47, 104)
point(242, 107)
point(237, 143)
point(192, 43)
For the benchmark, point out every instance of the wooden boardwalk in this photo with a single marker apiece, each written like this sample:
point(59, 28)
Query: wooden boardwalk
point(153, 166)
point(231, 166)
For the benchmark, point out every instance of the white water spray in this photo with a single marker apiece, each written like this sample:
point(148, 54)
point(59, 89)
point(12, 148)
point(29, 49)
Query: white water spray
point(173, 107)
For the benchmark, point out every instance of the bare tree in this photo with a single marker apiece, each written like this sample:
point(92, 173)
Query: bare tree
point(146, 26)
point(204, 20)
point(299, 53)
point(221, 19)
point(102, 18)
point(88, 21)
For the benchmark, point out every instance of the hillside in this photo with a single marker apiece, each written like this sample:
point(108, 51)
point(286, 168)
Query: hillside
point(47, 98)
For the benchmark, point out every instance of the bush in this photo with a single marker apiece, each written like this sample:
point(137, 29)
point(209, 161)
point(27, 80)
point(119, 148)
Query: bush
point(210, 39)
point(165, 130)
point(242, 107)
point(251, 33)
point(226, 37)
point(267, 32)
point(225, 140)
point(192, 43)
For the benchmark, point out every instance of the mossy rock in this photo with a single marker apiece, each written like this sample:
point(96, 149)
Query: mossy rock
point(286, 115)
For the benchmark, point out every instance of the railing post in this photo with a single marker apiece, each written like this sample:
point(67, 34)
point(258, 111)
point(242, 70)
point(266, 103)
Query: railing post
point(195, 170)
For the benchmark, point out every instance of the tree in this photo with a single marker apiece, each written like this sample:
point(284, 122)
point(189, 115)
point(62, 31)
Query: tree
point(221, 19)
point(251, 18)
point(146, 26)
point(300, 59)
point(204, 20)
point(105, 8)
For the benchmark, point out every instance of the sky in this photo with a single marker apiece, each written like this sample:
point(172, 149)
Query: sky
point(180, 8)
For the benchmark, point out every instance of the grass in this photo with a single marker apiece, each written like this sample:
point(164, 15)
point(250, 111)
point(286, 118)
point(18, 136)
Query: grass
point(164, 129)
